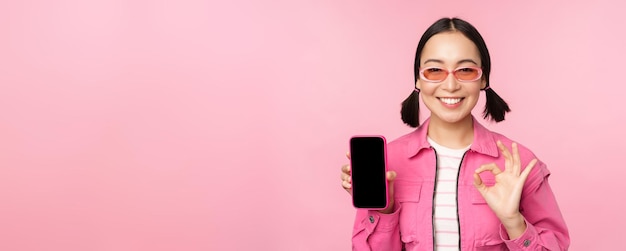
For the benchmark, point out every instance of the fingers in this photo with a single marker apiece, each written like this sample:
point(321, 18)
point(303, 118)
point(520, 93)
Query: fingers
point(508, 159)
point(346, 179)
point(493, 168)
point(345, 169)
point(345, 173)
point(517, 163)
point(345, 176)
point(478, 182)
point(346, 185)
point(529, 168)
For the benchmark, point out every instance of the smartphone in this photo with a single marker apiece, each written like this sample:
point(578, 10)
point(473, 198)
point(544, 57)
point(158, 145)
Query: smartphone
point(368, 168)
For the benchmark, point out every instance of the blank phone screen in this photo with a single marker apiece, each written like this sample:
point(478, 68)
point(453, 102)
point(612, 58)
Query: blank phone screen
point(367, 156)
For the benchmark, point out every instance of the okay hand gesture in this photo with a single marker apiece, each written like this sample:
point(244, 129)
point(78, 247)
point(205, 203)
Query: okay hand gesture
point(504, 197)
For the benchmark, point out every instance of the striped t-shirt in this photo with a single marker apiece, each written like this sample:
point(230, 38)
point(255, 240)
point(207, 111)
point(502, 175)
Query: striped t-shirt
point(445, 217)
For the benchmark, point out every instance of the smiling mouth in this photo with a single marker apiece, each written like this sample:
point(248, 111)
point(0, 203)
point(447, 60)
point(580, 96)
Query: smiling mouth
point(451, 101)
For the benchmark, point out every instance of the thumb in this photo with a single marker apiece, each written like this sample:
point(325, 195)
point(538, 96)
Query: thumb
point(391, 177)
point(478, 183)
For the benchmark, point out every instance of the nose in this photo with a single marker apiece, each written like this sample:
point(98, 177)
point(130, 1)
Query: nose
point(450, 83)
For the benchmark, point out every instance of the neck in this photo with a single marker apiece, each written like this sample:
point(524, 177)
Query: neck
point(453, 135)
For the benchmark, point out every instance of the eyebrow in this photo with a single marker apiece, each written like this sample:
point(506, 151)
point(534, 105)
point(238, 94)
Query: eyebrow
point(460, 61)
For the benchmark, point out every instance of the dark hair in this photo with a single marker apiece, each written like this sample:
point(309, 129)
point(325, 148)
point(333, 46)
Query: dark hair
point(495, 106)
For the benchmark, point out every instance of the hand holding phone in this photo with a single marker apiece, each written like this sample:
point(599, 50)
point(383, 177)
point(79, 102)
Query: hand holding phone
point(368, 168)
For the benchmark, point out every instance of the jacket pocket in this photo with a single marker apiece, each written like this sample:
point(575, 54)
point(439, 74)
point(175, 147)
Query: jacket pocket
point(490, 245)
point(478, 198)
point(407, 195)
point(484, 222)
point(407, 191)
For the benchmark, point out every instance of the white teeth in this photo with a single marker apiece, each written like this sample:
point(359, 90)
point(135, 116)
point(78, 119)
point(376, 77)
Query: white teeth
point(450, 101)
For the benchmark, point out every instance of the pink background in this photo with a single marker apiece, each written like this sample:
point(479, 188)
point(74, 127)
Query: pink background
point(194, 125)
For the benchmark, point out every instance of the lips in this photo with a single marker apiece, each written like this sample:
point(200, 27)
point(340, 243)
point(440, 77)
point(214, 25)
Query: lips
point(450, 101)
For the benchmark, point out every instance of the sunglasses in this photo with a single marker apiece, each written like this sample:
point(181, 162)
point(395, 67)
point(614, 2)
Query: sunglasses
point(462, 74)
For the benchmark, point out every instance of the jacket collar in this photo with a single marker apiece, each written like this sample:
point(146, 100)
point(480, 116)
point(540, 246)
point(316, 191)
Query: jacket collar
point(484, 141)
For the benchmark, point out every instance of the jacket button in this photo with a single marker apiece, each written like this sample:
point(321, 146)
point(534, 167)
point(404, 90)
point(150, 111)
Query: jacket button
point(371, 219)
point(526, 243)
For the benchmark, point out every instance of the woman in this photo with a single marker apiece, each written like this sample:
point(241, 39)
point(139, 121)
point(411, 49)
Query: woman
point(455, 185)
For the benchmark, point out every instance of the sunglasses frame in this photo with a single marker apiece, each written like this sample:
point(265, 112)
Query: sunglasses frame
point(421, 73)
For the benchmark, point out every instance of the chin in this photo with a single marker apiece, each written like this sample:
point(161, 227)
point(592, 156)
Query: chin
point(453, 118)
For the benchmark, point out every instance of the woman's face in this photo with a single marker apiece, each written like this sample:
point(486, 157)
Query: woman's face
point(450, 100)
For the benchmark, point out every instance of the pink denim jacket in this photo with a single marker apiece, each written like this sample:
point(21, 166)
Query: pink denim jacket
point(410, 226)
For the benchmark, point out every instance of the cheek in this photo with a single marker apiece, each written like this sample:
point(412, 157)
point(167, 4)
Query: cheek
point(474, 90)
point(428, 97)
point(427, 90)
point(474, 97)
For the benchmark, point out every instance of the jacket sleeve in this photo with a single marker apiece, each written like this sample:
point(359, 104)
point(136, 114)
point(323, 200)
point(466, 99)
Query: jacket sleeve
point(374, 231)
point(545, 226)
